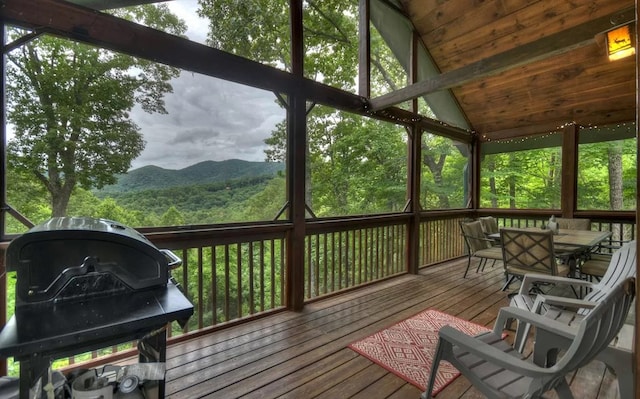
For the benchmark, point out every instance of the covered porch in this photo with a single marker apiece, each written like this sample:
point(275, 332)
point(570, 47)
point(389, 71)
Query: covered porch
point(318, 283)
point(305, 355)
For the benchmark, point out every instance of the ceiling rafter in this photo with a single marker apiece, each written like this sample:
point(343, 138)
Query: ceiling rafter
point(549, 46)
point(96, 28)
point(111, 4)
point(104, 30)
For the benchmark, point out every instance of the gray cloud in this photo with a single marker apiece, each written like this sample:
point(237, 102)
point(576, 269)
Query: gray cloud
point(208, 119)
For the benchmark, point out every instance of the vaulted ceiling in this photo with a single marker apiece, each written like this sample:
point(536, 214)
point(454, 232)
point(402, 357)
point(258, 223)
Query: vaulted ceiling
point(512, 67)
point(525, 66)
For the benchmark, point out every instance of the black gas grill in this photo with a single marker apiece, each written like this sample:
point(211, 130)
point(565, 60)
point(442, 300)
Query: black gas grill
point(84, 284)
point(77, 259)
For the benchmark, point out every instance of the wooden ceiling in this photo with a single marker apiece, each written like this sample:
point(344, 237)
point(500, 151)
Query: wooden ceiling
point(503, 91)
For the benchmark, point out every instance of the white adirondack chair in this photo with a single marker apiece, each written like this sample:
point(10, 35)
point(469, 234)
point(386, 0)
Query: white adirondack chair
point(497, 370)
point(569, 311)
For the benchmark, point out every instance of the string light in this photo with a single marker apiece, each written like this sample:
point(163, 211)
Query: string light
point(558, 130)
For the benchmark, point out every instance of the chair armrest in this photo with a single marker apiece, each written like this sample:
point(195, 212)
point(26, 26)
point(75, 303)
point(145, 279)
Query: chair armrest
point(539, 321)
point(531, 278)
point(565, 301)
point(487, 352)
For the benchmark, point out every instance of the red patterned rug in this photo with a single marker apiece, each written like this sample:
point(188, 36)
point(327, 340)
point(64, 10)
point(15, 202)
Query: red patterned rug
point(407, 348)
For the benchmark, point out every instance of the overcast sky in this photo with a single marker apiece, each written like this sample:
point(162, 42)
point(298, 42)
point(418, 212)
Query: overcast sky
point(209, 119)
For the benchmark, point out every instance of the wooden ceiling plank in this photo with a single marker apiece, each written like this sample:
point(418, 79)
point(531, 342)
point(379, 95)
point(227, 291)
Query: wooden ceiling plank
point(594, 113)
point(573, 84)
point(535, 21)
point(516, 77)
point(544, 48)
point(493, 116)
point(491, 19)
point(456, 18)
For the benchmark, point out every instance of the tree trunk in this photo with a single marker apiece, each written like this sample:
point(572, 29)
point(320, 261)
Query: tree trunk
point(615, 176)
point(60, 202)
point(493, 192)
point(512, 184)
point(436, 172)
point(616, 198)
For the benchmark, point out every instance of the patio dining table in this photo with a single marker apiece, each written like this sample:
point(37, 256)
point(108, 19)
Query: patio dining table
point(570, 245)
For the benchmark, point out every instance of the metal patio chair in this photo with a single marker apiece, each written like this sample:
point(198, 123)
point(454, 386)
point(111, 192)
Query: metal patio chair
point(529, 251)
point(478, 246)
point(574, 223)
point(498, 371)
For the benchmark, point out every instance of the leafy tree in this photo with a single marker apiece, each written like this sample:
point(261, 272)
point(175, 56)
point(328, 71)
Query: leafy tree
point(172, 217)
point(70, 104)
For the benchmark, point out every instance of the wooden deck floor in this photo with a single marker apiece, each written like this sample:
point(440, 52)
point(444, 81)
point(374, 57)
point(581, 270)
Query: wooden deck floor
point(305, 355)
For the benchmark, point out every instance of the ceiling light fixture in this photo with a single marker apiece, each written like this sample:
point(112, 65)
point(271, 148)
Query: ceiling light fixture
point(619, 43)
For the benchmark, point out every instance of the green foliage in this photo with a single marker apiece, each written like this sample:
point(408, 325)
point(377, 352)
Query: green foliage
point(69, 104)
point(444, 181)
point(524, 179)
point(219, 202)
point(357, 165)
point(531, 179)
point(595, 179)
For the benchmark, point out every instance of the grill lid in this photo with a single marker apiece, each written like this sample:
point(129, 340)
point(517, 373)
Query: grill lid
point(78, 257)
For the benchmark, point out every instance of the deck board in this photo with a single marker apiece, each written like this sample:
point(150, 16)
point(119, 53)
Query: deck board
point(305, 355)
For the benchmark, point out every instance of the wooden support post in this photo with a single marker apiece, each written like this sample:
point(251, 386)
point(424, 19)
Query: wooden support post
point(413, 183)
point(474, 165)
point(414, 166)
point(569, 185)
point(296, 166)
point(364, 49)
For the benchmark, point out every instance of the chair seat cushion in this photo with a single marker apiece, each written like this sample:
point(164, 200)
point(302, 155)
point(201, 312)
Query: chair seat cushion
point(594, 268)
point(490, 253)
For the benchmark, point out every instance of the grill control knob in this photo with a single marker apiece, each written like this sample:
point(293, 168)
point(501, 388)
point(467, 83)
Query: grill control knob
point(129, 384)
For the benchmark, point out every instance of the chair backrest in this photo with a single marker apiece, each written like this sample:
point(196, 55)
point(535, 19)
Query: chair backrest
point(574, 223)
point(474, 236)
point(599, 327)
point(621, 267)
point(531, 250)
point(489, 224)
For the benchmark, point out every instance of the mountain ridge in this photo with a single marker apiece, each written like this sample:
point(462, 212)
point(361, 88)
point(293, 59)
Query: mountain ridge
point(152, 177)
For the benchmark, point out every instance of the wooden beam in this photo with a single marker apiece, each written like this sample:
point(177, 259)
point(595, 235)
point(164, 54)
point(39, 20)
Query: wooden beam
point(103, 30)
point(364, 49)
point(92, 27)
point(407, 118)
point(111, 4)
point(549, 46)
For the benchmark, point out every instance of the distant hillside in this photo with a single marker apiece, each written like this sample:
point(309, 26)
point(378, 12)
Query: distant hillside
point(156, 178)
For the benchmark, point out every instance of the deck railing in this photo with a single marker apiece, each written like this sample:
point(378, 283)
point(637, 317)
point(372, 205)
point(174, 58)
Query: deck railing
point(236, 272)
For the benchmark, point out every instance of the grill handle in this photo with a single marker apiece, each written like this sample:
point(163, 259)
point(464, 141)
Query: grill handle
point(174, 261)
